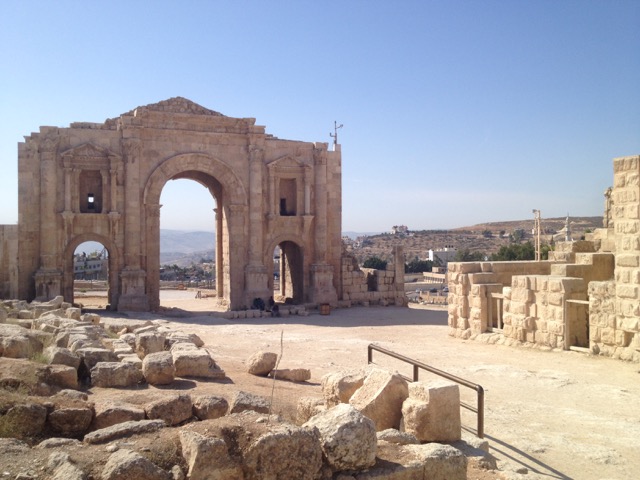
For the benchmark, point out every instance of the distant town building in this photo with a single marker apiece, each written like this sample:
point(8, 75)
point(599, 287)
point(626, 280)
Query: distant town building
point(442, 256)
point(399, 230)
point(91, 267)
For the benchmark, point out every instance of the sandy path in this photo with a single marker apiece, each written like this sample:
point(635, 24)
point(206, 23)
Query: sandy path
point(559, 414)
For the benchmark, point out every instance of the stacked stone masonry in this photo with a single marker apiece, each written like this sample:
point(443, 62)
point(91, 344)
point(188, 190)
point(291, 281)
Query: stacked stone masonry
point(368, 286)
point(587, 295)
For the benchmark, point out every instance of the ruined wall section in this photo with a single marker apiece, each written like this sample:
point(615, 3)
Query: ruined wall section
point(368, 286)
point(8, 261)
point(626, 219)
point(534, 310)
point(470, 286)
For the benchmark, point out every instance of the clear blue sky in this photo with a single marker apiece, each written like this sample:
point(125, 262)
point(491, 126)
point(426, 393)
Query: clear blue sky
point(454, 112)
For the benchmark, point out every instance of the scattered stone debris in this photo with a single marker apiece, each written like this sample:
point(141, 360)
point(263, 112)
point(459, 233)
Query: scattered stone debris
point(209, 437)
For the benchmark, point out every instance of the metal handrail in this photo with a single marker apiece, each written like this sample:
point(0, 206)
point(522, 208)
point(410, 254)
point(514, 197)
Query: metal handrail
point(479, 409)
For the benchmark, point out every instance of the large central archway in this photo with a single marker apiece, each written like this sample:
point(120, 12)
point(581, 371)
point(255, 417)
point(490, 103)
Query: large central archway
point(231, 200)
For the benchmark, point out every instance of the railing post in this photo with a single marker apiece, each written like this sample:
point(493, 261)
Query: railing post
point(480, 412)
point(416, 373)
point(369, 354)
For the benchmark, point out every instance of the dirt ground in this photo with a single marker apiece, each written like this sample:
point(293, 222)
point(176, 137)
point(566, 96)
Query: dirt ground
point(557, 414)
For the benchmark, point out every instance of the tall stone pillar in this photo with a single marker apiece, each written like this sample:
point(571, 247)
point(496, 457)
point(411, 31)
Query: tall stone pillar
point(132, 278)
point(256, 280)
point(48, 278)
point(322, 289)
point(626, 221)
point(220, 249)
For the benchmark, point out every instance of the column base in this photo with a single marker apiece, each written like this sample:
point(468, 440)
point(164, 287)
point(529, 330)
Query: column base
point(48, 284)
point(322, 289)
point(133, 297)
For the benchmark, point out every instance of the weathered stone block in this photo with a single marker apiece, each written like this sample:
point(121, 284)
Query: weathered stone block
point(380, 398)
point(348, 438)
point(432, 411)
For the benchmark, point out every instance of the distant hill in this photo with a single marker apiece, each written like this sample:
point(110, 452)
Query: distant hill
point(185, 241)
point(485, 238)
point(184, 247)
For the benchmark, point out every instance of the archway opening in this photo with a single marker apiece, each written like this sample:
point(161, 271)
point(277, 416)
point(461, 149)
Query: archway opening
point(189, 243)
point(91, 286)
point(288, 273)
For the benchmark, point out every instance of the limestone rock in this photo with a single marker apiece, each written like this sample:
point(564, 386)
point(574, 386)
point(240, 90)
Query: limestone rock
point(380, 398)
point(392, 435)
point(196, 362)
point(149, 342)
point(291, 374)
point(207, 407)
point(61, 356)
point(92, 355)
point(115, 374)
point(158, 368)
point(432, 411)
point(173, 409)
point(73, 313)
point(18, 342)
point(92, 318)
point(121, 430)
point(62, 376)
point(181, 337)
point(285, 452)
point(208, 458)
point(339, 387)
point(126, 465)
point(63, 468)
point(26, 420)
point(131, 358)
point(243, 401)
point(108, 414)
point(308, 407)
point(407, 462)
point(57, 442)
point(441, 462)
point(261, 363)
point(348, 438)
point(71, 421)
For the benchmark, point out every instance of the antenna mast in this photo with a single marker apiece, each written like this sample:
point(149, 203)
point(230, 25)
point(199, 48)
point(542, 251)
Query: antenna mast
point(335, 134)
point(536, 232)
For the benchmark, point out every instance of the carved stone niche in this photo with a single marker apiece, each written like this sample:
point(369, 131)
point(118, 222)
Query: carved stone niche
point(289, 187)
point(89, 173)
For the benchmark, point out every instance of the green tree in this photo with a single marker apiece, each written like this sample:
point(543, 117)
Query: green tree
point(515, 251)
point(487, 234)
point(466, 255)
point(375, 262)
point(417, 266)
point(517, 235)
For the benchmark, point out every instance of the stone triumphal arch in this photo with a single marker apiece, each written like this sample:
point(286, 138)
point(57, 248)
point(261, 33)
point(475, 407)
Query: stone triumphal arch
point(103, 181)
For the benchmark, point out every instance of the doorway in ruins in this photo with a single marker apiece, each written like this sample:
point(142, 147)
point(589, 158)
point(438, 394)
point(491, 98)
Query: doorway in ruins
point(288, 273)
point(576, 316)
point(90, 277)
point(189, 240)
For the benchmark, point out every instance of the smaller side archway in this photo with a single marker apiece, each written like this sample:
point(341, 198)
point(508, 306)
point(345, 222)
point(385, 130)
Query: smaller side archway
point(68, 274)
point(292, 271)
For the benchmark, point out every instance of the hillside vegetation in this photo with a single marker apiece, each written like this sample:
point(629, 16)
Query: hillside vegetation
point(486, 238)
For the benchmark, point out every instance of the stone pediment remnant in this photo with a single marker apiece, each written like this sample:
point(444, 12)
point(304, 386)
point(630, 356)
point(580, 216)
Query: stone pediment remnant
point(175, 105)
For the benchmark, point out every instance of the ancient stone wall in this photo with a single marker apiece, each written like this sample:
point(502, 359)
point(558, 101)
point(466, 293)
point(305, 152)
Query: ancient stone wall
point(586, 297)
point(470, 287)
point(368, 286)
point(8, 254)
